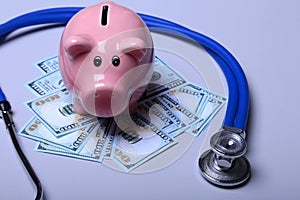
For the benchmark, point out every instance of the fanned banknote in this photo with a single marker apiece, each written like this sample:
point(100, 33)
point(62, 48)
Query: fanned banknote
point(107, 151)
point(71, 142)
point(48, 65)
point(179, 111)
point(151, 141)
point(57, 113)
point(157, 115)
point(167, 111)
point(213, 105)
point(194, 100)
point(92, 149)
point(46, 84)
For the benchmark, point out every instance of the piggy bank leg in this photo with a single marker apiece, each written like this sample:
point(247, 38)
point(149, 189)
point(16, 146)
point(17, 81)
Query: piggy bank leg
point(78, 107)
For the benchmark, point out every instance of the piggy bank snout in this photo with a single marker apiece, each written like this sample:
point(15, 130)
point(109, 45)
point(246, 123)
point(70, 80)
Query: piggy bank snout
point(105, 101)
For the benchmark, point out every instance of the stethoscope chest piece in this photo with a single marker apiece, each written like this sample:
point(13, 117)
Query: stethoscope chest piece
point(224, 165)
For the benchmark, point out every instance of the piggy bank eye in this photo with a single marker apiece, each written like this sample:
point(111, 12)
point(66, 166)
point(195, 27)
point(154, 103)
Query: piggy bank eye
point(97, 61)
point(115, 61)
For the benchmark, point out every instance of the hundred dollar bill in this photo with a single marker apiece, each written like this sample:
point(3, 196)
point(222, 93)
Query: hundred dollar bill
point(208, 112)
point(175, 126)
point(137, 141)
point(46, 84)
point(184, 117)
point(212, 107)
point(194, 100)
point(72, 142)
point(163, 117)
point(108, 145)
point(92, 149)
point(163, 78)
point(157, 115)
point(56, 112)
point(48, 65)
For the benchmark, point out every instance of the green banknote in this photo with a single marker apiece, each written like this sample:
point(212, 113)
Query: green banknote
point(71, 142)
point(56, 112)
point(92, 149)
point(46, 84)
point(137, 140)
point(207, 112)
point(48, 65)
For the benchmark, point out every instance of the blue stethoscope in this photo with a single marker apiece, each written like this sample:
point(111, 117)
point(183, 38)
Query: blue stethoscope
point(224, 165)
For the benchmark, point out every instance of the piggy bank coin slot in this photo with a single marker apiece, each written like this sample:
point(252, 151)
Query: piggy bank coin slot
point(104, 15)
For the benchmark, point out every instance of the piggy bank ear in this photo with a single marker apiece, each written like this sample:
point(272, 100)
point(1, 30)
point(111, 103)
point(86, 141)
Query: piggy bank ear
point(133, 46)
point(78, 44)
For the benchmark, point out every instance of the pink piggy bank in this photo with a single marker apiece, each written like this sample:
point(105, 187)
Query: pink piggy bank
point(105, 58)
